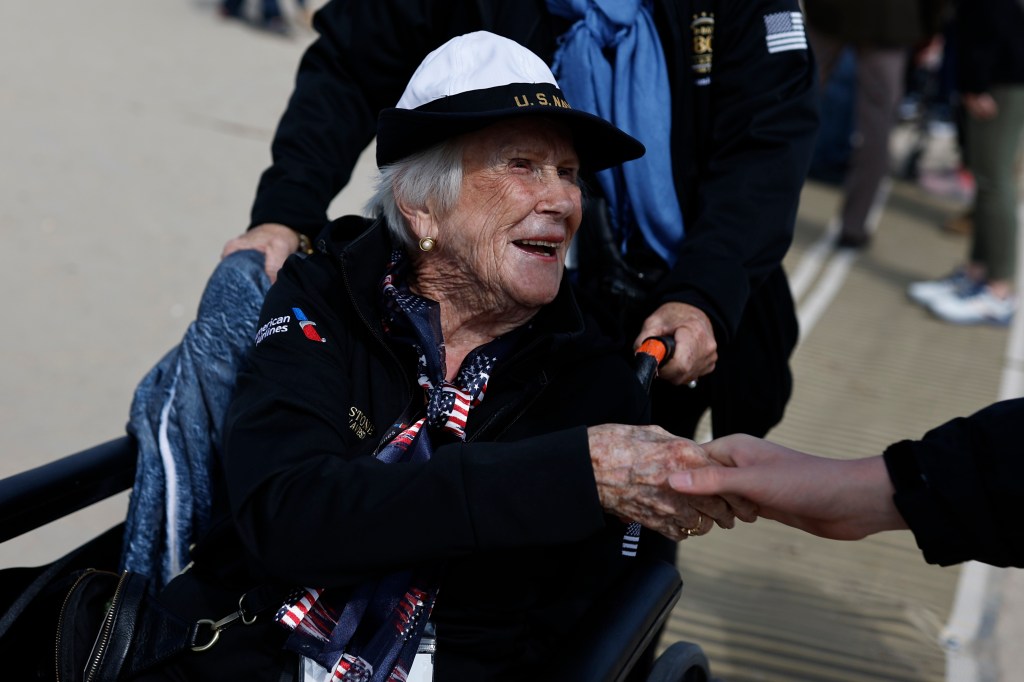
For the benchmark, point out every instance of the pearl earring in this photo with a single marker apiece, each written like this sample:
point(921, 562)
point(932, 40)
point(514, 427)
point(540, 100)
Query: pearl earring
point(427, 243)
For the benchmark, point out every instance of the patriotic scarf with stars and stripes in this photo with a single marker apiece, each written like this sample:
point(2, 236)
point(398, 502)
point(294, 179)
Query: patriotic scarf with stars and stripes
point(370, 633)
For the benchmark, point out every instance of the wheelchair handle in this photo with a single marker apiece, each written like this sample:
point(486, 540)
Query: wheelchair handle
point(653, 353)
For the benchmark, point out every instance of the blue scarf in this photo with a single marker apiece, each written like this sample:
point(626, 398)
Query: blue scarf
point(633, 93)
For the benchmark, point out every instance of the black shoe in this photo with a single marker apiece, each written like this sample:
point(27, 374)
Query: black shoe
point(853, 241)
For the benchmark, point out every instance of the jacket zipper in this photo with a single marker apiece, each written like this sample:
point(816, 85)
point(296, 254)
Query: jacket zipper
point(533, 392)
point(60, 620)
point(410, 398)
point(517, 412)
point(103, 638)
point(369, 327)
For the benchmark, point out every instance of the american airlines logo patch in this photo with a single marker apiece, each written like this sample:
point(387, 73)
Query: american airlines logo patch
point(308, 328)
point(784, 32)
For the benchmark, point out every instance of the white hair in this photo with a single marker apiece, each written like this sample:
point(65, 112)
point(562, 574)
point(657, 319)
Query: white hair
point(432, 174)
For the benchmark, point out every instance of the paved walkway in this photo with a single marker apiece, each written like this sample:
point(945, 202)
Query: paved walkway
point(133, 137)
point(770, 603)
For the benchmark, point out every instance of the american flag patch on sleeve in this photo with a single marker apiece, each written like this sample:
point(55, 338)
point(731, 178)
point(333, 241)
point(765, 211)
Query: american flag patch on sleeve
point(784, 32)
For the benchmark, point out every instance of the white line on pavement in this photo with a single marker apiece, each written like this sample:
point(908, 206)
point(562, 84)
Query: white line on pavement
point(812, 261)
point(831, 281)
point(835, 271)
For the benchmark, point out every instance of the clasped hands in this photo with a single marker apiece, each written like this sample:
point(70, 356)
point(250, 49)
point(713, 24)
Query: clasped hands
point(632, 468)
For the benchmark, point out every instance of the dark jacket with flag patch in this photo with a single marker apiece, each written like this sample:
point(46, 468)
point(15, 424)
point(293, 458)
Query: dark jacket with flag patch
point(511, 514)
point(744, 121)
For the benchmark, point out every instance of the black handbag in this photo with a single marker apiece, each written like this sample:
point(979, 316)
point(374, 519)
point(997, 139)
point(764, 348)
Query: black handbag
point(111, 627)
point(65, 622)
point(31, 598)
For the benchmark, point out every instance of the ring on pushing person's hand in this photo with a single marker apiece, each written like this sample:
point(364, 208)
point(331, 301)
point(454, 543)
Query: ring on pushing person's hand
point(696, 528)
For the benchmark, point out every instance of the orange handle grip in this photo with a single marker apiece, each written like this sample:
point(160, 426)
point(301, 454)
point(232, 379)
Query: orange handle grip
point(658, 347)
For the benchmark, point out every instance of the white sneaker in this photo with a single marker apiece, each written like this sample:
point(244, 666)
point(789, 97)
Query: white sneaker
point(980, 307)
point(955, 284)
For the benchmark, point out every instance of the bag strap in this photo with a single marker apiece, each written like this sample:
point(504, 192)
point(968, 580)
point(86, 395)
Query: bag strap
point(49, 575)
point(34, 589)
point(142, 633)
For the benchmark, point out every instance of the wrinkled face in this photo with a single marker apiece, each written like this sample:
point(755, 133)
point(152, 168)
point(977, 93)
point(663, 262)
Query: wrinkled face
point(519, 208)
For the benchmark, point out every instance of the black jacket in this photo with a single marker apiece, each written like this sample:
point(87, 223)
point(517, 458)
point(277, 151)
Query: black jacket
point(990, 47)
point(877, 23)
point(512, 514)
point(960, 487)
point(742, 140)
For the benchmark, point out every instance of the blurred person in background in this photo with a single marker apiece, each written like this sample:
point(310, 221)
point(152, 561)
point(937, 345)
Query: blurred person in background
point(882, 34)
point(990, 75)
point(270, 18)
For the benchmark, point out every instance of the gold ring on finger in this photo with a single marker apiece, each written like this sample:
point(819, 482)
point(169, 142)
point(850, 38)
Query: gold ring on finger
point(696, 528)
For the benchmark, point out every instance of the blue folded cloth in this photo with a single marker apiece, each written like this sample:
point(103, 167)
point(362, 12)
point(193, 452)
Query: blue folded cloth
point(177, 415)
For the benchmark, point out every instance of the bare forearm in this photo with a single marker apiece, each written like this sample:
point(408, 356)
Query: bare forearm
point(834, 498)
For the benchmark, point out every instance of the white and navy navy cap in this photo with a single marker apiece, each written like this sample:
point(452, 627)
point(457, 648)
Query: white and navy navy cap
point(480, 78)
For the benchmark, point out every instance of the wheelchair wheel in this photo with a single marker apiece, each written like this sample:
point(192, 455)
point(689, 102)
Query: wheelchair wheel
point(681, 662)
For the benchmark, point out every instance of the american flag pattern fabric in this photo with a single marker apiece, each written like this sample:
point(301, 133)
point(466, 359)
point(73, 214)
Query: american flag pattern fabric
point(631, 539)
point(293, 613)
point(418, 321)
point(370, 633)
point(784, 31)
point(448, 404)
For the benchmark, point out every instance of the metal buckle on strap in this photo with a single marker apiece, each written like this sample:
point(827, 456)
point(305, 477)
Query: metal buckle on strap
point(216, 626)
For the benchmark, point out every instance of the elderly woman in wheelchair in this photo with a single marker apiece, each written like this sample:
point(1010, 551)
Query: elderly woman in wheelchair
point(431, 454)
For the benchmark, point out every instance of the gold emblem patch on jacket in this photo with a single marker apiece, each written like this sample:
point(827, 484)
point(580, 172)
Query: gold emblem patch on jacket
point(359, 423)
point(703, 29)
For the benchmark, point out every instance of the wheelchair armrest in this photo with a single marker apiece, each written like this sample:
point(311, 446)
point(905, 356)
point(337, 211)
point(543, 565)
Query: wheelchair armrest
point(624, 625)
point(46, 493)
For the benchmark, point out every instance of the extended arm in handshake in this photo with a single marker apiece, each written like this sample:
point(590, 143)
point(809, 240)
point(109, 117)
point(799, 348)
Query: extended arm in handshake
point(672, 485)
point(840, 499)
point(958, 488)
